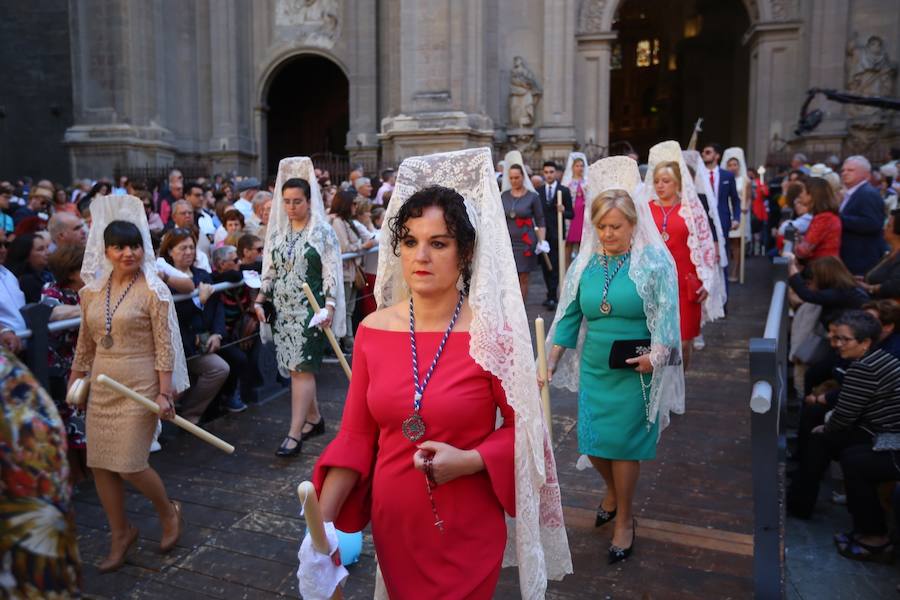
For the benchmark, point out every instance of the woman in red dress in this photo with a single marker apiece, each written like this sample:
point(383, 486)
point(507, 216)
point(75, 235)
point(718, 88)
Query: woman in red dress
point(689, 239)
point(419, 453)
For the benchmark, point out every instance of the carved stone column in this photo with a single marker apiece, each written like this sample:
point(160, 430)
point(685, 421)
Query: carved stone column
point(775, 89)
point(594, 50)
point(118, 119)
point(362, 139)
point(557, 132)
point(435, 98)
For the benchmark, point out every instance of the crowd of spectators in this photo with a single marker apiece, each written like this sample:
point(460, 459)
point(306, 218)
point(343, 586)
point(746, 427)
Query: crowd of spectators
point(206, 231)
point(838, 226)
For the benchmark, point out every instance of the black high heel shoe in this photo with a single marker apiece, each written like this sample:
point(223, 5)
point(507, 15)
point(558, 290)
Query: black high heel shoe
point(604, 516)
point(617, 554)
point(317, 429)
point(285, 452)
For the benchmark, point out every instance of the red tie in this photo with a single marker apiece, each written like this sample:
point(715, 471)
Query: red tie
point(712, 181)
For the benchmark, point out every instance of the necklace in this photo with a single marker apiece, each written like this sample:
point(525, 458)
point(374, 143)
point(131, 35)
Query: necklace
point(414, 426)
point(605, 306)
point(665, 223)
point(512, 211)
point(107, 340)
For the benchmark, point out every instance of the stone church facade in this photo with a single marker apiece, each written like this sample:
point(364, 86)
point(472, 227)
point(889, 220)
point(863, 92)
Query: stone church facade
point(157, 82)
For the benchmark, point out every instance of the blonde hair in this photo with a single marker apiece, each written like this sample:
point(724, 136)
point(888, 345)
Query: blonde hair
point(609, 200)
point(673, 167)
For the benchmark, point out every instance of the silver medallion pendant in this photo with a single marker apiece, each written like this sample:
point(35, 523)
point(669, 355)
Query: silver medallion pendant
point(512, 214)
point(413, 427)
point(665, 236)
point(107, 341)
point(605, 307)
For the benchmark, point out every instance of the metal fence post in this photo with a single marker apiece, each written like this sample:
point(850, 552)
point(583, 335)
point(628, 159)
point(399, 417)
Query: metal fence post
point(768, 375)
point(37, 318)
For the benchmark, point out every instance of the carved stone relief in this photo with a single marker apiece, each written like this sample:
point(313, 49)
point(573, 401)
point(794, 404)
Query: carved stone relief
point(870, 72)
point(309, 22)
point(590, 16)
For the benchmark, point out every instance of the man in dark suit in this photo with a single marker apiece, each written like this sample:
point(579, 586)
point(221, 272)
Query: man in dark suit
point(724, 187)
point(547, 193)
point(862, 218)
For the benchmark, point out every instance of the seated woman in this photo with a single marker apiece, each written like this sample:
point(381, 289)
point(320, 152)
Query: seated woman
point(202, 324)
point(883, 281)
point(62, 295)
point(823, 237)
point(830, 285)
point(27, 259)
point(863, 432)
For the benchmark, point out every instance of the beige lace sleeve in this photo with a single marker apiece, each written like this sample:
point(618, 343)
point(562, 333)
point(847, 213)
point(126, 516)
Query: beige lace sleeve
point(162, 337)
point(86, 346)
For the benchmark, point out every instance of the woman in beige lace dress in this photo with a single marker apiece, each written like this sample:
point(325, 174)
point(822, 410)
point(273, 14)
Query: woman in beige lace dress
point(125, 334)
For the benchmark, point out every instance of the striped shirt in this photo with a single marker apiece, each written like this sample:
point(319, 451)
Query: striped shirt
point(870, 395)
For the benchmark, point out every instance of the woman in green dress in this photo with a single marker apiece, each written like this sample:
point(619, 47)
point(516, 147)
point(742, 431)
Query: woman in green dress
point(301, 247)
point(619, 315)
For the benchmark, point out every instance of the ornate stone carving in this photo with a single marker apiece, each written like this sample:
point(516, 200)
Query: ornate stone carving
point(309, 22)
point(590, 16)
point(870, 72)
point(524, 93)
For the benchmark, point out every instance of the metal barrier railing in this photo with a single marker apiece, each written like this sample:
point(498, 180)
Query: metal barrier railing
point(768, 375)
point(63, 324)
point(37, 318)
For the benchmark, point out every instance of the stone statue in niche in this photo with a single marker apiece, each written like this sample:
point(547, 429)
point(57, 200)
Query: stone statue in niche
point(870, 72)
point(524, 93)
point(310, 22)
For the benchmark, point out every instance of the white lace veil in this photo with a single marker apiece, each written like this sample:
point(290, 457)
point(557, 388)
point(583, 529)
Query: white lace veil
point(700, 240)
point(500, 344)
point(321, 235)
point(96, 268)
point(567, 174)
point(741, 178)
point(514, 157)
point(701, 183)
point(741, 181)
point(653, 272)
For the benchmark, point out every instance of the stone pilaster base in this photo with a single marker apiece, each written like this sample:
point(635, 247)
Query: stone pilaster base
point(426, 133)
point(96, 150)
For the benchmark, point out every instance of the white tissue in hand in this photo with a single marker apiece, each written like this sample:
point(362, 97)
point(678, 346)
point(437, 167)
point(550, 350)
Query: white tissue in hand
point(542, 247)
point(317, 575)
point(318, 318)
point(583, 462)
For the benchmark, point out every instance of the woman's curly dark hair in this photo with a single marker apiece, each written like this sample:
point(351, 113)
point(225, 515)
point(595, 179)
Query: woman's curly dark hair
point(458, 224)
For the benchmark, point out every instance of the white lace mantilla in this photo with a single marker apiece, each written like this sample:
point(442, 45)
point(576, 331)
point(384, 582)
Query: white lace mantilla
point(500, 344)
point(96, 268)
point(321, 236)
point(700, 240)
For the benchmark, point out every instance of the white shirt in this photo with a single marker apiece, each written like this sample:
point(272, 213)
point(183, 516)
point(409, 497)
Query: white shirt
point(715, 174)
point(550, 188)
point(379, 195)
point(11, 301)
point(849, 193)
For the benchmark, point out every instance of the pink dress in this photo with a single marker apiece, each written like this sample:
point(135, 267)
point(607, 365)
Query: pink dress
point(574, 234)
point(459, 408)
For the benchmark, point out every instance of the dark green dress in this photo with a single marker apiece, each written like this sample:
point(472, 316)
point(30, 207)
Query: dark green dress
point(612, 421)
point(294, 262)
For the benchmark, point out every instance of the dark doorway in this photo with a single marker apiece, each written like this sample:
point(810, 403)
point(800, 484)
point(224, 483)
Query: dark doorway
point(309, 110)
point(673, 62)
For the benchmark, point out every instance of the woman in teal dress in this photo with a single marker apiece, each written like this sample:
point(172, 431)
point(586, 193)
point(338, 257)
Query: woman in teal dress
point(301, 247)
point(621, 288)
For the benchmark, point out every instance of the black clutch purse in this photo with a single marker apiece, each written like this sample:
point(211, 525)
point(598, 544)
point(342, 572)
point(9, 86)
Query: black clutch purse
point(622, 350)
